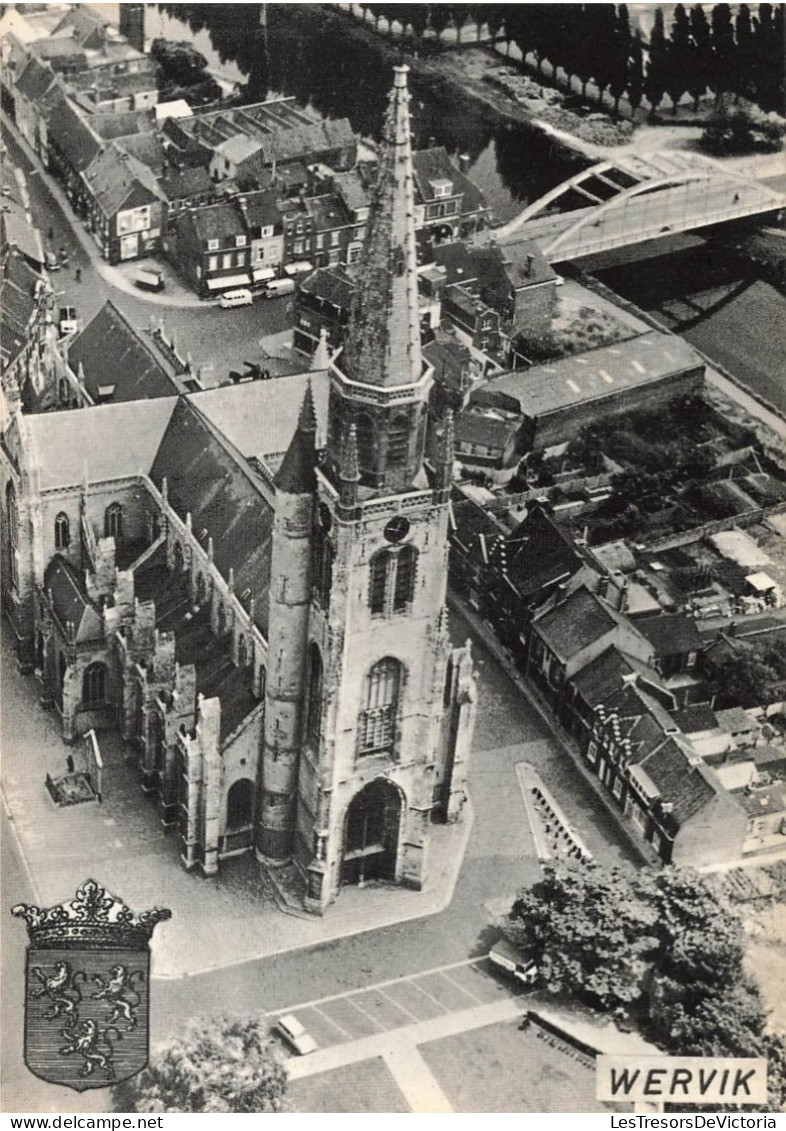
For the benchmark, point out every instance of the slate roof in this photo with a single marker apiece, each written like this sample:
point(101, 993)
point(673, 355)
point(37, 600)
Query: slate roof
point(331, 284)
point(489, 431)
point(208, 478)
point(216, 221)
point(688, 788)
point(147, 149)
point(670, 634)
point(261, 210)
point(598, 680)
point(70, 602)
point(77, 140)
point(538, 552)
point(259, 418)
point(17, 231)
point(692, 720)
point(106, 442)
point(765, 801)
point(736, 720)
point(574, 624)
point(352, 190)
point(593, 375)
point(35, 80)
point(473, 527)
point(451, 359)
point(460, 265)
point(17, 304)
point(435, 165)
point(114, 125)
point(328, 212)
point(179, 184)
point(113, 352)
point(114, 175)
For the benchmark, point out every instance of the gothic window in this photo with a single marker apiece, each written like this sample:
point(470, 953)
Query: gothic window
point(314, 701)
point(113, 521)
point(94, 685)
point(377, 720)
point(398, 441)
point(12, 520)
point(262, 681)
point(200, 590)
point(62, 532)
point(392, 580)
point(178, 558)
point(364, 426)
point(322, 566)
point(222, 620)
point(241, 652)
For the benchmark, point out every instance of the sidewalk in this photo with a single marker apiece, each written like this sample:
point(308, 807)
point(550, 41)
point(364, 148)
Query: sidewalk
point(218, 921)
point(120, 277)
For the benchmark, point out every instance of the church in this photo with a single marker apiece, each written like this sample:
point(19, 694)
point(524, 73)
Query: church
point(250, 581)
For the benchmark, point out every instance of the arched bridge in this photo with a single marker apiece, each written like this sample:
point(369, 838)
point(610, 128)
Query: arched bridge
point(636, 198)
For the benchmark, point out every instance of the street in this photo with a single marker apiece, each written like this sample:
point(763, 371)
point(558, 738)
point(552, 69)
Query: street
point(218, 340)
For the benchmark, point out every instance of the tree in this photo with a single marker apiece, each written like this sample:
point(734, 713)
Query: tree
point(604, 36)
point(220, 1065)
point(622, 46)
point(587, 933)
point(744, 679)
point(744, 56)
point(679, 57)
point(656, 73)
point(699, 77)
point(459, 14)
point(440, 18)
point(722, 65)
point(739, 128)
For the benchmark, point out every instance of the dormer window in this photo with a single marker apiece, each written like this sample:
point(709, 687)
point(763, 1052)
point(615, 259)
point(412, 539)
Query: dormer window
point(212, 245)
point(240, 241)
point(441, 188)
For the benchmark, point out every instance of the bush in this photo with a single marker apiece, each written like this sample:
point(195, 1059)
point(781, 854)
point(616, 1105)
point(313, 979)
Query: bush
point(216, 1065)
point(739, 128)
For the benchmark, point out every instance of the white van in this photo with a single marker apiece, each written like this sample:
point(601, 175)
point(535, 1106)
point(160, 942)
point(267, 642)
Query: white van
point(517, 966)
point(236, 298)
point(278, 287)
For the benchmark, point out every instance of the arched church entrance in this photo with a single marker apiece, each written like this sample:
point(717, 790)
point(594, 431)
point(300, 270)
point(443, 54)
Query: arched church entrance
point(371, 834)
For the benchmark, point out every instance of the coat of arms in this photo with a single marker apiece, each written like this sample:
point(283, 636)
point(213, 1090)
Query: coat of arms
point(87, 989)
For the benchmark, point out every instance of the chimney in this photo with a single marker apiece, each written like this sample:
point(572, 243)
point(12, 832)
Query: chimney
point(528, 263)
point(603, 585)
point(432, 143)
point(463, 162)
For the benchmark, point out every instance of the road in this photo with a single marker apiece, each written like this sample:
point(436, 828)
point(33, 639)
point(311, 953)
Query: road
point(217, 339)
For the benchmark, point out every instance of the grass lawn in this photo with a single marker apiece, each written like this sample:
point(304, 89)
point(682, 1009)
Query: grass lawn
point(364, 1087)
point(500, 1068)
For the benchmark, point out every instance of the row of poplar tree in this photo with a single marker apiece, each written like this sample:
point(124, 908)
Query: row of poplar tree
point(690, 51)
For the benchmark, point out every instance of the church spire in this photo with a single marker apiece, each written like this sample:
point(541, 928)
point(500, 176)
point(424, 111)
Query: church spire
point(296, 476)
point(383, 340)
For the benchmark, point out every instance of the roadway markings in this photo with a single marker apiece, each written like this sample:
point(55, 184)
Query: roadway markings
point(398, 1004)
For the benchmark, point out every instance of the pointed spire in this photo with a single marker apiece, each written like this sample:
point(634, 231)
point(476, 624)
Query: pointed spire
point(296, 474)
point(383, 339)
point(447, 451)
point(321, 358)
point(307, 420)
point(349, 468)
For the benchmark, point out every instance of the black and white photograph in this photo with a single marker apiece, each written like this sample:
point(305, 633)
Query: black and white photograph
point(392, 561)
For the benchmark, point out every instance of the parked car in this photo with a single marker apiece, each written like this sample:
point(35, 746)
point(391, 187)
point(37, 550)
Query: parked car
point(63, 256)
point(295, 1034)
point(67, 321)
point(517, 966)
point(149, 280)
point(51, 261)
point(241, 297)
point(277, 287)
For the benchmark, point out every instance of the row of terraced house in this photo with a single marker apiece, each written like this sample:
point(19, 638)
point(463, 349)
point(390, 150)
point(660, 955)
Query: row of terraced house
point(631, 684)
point(232, 195)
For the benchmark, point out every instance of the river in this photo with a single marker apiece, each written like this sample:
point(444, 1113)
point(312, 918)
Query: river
point(326, 62)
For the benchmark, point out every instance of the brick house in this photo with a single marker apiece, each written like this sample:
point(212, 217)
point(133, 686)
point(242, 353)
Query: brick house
point(124, 203)
point(446, 200)
point(210, 247)
point(322, 302)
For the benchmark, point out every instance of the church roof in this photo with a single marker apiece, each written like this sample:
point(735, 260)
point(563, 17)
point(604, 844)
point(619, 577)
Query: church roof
point(113, 353)
point(259, 418)
point(70, 602)
point(383, 340)
point(208, 479)
point(105, 442)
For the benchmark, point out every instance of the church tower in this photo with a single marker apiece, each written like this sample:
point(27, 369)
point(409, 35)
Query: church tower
point(357, 768)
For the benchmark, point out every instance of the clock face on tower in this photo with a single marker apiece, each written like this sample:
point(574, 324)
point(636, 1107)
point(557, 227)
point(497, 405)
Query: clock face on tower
point(397, 528)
